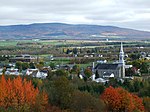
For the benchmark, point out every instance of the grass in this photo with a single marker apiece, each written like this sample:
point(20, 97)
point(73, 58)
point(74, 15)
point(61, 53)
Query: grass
point(8, 43)
point(84, 65)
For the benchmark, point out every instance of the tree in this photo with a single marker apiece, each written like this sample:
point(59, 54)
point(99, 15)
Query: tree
point(4, 70)
point(76, 69)
point(112, 82)
point(68, 51)
point(19, 65)
point(31, 65)
point(75, 50)
point(87, 72)
point(135, 56)
point(145, 90)
point(22, 65)
point(136, 85)
point(137, 63)
point(129, 72)
point(60, 92)
point(85, 102)
point(50, 108)
point(20, 95)
point(120, 100)
point(146, 102)
point(128, 85)
point(61, 73)
point(39, 66)
point(25, 66)
point(144, 67)
point(52, 65)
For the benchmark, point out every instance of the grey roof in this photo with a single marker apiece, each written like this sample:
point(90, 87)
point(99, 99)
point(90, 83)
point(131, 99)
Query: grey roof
point(107, 66)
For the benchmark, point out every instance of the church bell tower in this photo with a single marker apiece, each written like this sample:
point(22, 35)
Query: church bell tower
point(121, 61)
point(121, 55)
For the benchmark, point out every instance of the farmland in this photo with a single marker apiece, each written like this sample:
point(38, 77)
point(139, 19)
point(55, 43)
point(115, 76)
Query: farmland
point(62, 51)
point(68, 42)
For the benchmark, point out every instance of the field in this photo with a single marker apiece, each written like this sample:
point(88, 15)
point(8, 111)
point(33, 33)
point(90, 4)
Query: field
point(6, 43)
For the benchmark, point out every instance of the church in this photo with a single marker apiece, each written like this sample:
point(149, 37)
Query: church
point(116, 70)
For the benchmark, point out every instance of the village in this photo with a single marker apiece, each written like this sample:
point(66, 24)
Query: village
point(97, 70)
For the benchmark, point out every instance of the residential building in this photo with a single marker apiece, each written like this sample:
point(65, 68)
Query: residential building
point(23, 58)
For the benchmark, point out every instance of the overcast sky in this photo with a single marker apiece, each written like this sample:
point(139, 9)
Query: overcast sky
point(123, 13)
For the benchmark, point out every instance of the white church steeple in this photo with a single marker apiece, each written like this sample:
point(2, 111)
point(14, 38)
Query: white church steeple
point(121, 61)
point(121, 55)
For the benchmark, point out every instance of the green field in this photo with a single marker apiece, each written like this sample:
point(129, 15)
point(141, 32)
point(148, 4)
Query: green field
point(8, 43)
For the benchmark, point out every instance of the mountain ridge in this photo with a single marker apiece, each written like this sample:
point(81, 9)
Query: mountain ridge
point(69, 31)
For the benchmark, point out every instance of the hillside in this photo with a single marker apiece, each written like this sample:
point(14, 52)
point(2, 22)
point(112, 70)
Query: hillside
point(69, 31)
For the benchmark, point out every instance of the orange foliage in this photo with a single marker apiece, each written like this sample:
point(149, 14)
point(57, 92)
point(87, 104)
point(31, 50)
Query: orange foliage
point(19, 94)
point(120, 100)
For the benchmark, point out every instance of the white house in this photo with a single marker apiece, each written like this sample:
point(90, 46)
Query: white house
point(12, 71)
point(30, 71)
point(40, 74)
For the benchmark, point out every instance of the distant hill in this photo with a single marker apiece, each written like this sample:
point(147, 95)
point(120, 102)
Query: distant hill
point(69, 31)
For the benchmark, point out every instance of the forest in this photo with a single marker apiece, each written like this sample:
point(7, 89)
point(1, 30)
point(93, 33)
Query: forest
point(61, 93)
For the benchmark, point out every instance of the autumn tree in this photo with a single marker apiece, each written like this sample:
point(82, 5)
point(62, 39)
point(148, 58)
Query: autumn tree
point(20, 95)
point(120, 100)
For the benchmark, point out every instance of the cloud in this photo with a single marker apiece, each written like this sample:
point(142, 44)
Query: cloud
point(124, 13)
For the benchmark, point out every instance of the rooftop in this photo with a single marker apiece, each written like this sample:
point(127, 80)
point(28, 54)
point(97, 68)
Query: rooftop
point(107, 66)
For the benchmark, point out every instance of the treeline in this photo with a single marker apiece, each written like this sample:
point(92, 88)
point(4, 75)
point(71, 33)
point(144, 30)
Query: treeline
point(61, 92)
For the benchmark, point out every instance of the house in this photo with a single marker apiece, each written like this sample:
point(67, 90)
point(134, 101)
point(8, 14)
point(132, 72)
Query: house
point(37, 73)
point(67, 67)
point(40, 74)
point(12, 71)
point(102, 61)
point(23, 58)
point(30, 71)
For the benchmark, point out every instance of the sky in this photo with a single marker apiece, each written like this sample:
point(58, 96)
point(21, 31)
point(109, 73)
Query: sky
point(134, 14)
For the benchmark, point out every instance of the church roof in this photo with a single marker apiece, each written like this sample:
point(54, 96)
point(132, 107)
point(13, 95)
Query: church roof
point(107, 66)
